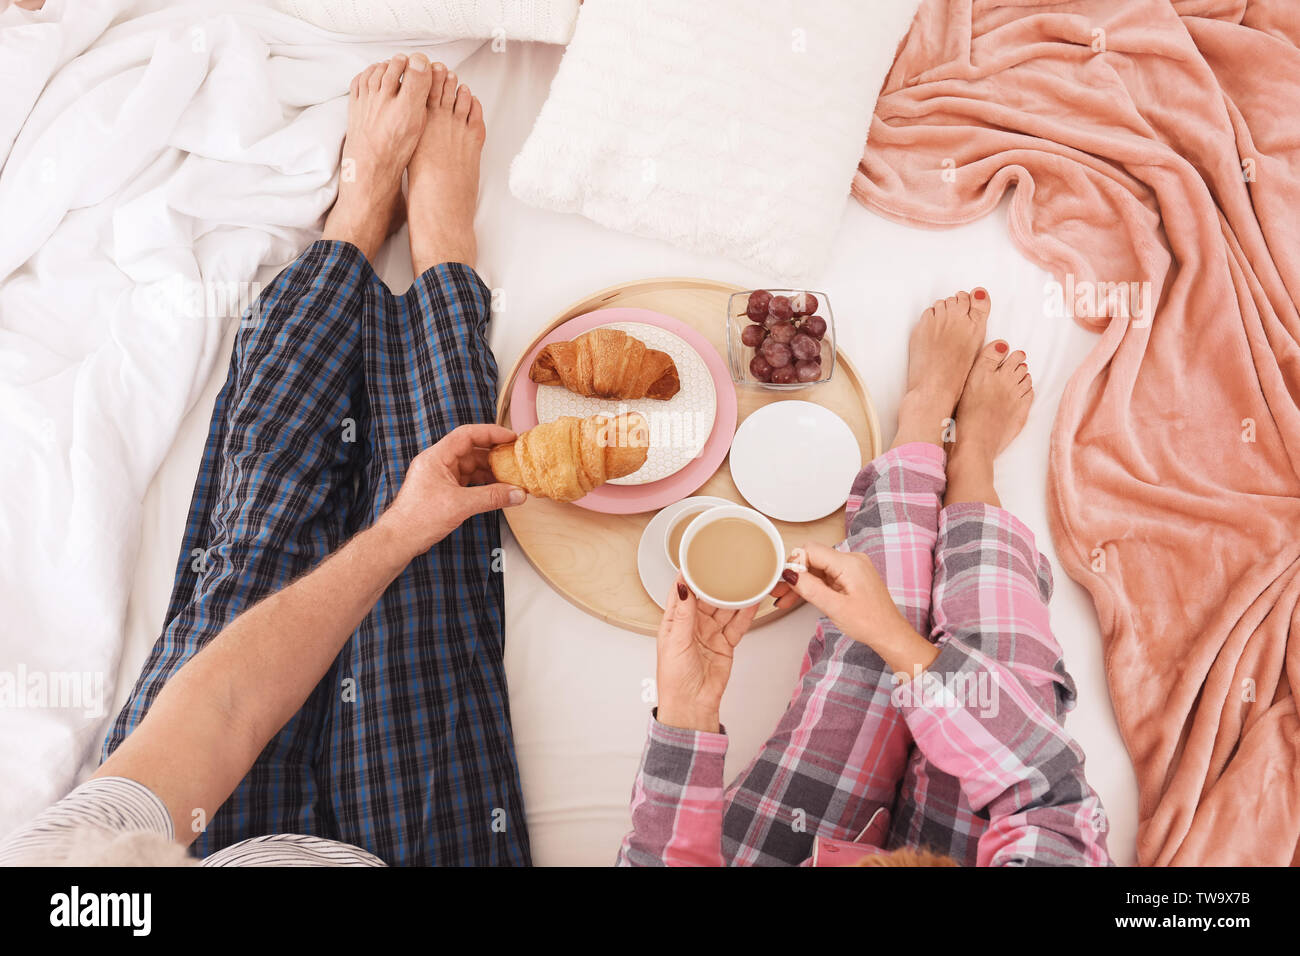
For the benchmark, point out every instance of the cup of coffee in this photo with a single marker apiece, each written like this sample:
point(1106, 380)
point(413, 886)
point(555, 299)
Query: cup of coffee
point(731, 556)
point(677, 528)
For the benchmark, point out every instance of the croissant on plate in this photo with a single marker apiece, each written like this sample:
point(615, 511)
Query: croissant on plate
point(607, 363)
point(566, 458)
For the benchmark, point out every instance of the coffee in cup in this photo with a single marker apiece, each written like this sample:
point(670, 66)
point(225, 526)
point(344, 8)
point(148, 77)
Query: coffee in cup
point(731, 556)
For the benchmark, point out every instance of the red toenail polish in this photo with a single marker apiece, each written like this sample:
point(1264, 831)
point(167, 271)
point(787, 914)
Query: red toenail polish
point(979, 293)
point(1001, 347)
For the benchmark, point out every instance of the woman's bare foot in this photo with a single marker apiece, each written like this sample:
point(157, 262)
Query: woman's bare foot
point(993, 409)
point(442, 178)
point(940, 354)
point(385, 118)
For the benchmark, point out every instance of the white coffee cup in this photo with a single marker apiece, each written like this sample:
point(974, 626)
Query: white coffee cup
point(706, 518)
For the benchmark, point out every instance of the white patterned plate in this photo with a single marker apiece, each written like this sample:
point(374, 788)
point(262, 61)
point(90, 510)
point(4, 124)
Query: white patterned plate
point(679, 427)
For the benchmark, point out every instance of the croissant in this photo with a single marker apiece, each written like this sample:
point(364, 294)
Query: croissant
point(607, 363)
point(565, 458)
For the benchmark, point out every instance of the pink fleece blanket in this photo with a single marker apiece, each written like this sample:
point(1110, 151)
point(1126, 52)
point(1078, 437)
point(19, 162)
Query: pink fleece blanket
point(1155, 147)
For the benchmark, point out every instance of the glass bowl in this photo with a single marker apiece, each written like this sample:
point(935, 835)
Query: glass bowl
point(739, 354)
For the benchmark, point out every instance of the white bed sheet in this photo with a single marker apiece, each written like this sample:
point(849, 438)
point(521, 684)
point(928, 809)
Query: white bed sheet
point(578, 686)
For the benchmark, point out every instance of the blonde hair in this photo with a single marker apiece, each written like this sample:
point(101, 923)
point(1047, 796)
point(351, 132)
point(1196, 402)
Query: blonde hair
point(95, 846)
point(907, 857)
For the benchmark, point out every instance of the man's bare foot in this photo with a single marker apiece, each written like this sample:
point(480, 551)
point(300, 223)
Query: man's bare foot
point(993, 409)
point(442, 178)
point(385, 118)
point(940, 354)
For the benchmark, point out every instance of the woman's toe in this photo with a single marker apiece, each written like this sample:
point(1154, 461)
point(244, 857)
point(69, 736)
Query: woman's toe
point(374, 75)
point(1014, 360)
point(464, 100)
point(994, 352)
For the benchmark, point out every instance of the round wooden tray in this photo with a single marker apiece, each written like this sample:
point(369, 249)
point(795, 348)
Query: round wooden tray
point(590, 558)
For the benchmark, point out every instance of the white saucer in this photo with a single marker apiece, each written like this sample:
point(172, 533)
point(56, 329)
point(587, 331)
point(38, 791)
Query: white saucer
point(657, 573)
point(795, 461)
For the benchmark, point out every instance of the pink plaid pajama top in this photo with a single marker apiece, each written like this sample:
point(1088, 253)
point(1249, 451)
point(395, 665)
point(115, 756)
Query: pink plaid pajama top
point(970, 759)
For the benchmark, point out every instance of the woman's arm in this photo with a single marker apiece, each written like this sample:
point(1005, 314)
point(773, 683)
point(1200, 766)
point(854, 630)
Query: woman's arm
point(677, 799)
point(216, 714)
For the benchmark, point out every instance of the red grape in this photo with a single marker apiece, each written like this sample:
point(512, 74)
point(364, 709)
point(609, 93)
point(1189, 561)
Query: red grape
point(803, 346)
point(759, 368)
point(780, 307)
point(803, 303)
point(808, 371)
point(776, 353)
point(814, 325)
point(785, 375)
point(771, 320)
point(758, 301)
point(784, 332)
point(753, 335)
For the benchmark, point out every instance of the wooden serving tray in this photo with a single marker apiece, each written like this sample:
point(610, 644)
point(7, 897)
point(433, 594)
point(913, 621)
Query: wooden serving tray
point(590, 558)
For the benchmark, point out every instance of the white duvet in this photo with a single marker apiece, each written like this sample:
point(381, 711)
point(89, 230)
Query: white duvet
point(155, 155)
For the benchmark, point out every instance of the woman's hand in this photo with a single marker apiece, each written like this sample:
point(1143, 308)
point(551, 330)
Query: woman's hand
point(845, 586)
point(447, 483)
point(696, 645)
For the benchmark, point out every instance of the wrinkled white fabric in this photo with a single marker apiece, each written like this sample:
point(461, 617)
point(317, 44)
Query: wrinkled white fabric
point(156, 154)
point(545, 21)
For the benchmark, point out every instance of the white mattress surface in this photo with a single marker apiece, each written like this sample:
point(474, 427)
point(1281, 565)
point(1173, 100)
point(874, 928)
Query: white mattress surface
point(578, 687)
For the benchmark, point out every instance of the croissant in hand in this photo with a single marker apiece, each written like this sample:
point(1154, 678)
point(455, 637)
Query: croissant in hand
point(607, 363)
point(565, 458)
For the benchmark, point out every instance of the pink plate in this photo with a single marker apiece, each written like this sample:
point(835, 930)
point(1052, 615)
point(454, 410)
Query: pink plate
point(634, 499)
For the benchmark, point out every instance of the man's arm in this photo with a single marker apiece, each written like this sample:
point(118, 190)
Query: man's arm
point(217, 713)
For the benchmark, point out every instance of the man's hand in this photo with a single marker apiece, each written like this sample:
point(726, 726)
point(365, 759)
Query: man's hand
point(696, 645)
point(447, 483)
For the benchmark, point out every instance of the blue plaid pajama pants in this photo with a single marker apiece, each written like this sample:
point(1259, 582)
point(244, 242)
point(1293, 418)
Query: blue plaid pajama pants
point(335, 385)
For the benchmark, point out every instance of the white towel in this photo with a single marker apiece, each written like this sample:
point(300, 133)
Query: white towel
point(723, 126)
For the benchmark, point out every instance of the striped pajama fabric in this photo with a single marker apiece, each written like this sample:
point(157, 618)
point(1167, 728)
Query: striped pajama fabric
point(115, 807)
point(335, 385)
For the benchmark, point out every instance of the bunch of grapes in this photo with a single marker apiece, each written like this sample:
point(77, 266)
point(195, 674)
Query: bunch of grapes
point(786, 336)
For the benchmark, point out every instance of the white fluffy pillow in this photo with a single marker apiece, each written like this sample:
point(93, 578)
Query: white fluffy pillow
point(724, 126)
point(545, 21)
